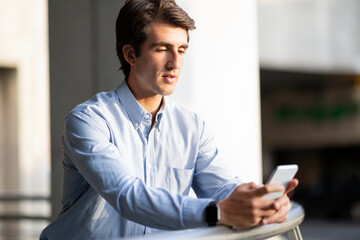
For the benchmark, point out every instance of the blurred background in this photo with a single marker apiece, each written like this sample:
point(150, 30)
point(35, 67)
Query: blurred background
point(310, 105)
point(278, 82)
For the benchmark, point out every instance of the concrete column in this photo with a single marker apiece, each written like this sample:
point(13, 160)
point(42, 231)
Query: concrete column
point(83, 62)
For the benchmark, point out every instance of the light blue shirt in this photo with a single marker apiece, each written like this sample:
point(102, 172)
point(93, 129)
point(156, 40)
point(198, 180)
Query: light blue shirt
point(124, 178)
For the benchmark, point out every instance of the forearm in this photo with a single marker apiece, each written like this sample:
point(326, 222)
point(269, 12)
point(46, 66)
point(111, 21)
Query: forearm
point(160, 209)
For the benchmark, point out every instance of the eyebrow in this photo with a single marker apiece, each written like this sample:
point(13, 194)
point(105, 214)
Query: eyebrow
point(166, 44)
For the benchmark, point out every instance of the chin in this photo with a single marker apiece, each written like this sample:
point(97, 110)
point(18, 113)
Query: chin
point(168, 92)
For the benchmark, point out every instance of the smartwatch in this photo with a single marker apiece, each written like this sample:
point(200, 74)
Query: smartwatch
point(212, 214)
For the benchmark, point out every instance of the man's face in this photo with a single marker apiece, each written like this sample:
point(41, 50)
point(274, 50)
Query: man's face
point(157, 69)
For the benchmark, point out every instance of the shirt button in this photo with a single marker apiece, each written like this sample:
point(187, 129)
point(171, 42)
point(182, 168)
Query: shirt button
point(149, 230)
point(147, 116)
point(136, 124)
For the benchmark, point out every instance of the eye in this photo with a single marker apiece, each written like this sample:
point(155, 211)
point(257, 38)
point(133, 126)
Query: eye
point(161, 49)
point(182, 50)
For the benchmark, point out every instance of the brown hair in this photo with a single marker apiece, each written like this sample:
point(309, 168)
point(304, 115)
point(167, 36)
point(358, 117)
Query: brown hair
point(135, 17)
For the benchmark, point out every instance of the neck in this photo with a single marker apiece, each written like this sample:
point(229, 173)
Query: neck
point(152, 105)
point(150, 102)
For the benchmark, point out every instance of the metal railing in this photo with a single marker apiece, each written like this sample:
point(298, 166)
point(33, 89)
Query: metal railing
point(290, 226)
point(21, 198)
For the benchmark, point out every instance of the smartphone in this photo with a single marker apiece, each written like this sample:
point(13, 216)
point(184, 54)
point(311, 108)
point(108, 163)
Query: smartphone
point(282, 175)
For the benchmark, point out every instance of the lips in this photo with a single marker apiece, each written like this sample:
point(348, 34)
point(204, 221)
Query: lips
point(169, 78)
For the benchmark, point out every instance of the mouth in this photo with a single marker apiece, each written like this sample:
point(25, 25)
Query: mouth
point(169, 78)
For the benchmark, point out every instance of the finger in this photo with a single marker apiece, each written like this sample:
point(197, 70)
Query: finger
point(244, 191)
point(256, 215)
point(284, 200)
point(292, 185)
point(268, 188)
point(266, 213)
point(278, 217)
point(267, 204)
point(252, 185)
point(246, 186)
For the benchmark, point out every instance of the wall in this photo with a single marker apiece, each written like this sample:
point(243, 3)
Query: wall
point(220, 79)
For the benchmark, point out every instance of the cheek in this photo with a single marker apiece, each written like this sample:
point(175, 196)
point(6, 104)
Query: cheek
point(159, 65)
point(181, 60)
point(147, 66)
point(154, 61)
point(152, 66)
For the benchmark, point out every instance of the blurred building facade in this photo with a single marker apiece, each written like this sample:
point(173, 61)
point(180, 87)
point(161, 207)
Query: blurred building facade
point(24, 114)
point(310, 100)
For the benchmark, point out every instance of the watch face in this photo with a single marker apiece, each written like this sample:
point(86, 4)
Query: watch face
point(211, 214)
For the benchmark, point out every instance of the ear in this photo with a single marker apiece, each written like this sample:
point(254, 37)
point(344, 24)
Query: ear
point(129, 54)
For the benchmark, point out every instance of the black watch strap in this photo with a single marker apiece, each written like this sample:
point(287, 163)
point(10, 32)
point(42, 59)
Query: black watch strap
point(212, 214)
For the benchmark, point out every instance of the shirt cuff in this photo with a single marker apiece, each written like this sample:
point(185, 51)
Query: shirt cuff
point(193, 212)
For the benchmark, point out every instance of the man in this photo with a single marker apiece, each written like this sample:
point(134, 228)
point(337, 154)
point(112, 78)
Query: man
point(131, 155)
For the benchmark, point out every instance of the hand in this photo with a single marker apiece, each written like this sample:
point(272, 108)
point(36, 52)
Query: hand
point(281, 205)
point(245, 207)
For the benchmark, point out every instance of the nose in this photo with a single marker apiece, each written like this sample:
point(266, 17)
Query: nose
point(175, 61)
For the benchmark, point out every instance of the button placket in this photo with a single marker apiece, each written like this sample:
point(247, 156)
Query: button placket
point(151, 157)
point(147, 133)
point(146, 168)
point(142, 128)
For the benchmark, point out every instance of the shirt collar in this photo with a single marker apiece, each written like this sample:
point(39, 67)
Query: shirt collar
point(160, 114)
point(133, 108)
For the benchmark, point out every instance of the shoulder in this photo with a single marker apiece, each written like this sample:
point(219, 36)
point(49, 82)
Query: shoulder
point(183, 116)
point(96, 111)
point(99, 105)
point(175, 109)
